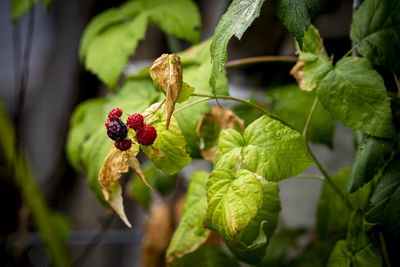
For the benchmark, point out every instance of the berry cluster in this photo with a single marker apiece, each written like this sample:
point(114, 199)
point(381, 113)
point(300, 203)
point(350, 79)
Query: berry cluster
point(117, 130)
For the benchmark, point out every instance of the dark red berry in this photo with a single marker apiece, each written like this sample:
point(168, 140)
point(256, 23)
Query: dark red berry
point(114, 114)
point(117, 130)
point(146, 135)
point(107, 122)
point(135, 121)
point(124, 145)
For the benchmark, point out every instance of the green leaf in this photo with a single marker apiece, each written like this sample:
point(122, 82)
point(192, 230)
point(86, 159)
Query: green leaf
point(240, 15)
point(384, 206)
point(185, 93)
point(108, 53)
point(112, 36)
point(297, 15)
point(267, 147)
point(190, 234)
point(172, 144)
point(260, 229)
point(177, 17)
point(209, 256)
point(20, 7)
point(332, 214)
point(354, 93)
point(372, 154)
point(247, 112)
point(357, 249)
point(161, 182)
point(233, 201)
point(376, 30)
point(88, 143)
point(293, 106)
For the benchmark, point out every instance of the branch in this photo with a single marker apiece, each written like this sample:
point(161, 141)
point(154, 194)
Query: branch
point(252, 60)
point(309, 117)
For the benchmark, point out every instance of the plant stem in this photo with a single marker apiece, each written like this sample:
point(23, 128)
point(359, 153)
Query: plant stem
point(310, 176)
point(350, 51)
point(191, 104)
point(234, 99)
point(384, 249)
point(252, 60)
point(309, 117)
point(397, 83)
point(329, 180)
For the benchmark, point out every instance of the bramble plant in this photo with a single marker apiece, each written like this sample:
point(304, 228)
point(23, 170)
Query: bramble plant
point(239, 201)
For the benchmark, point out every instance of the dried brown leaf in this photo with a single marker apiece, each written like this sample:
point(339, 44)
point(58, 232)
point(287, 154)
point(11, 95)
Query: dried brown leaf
point(158, 232)
point(225, 119)
point(166, 73)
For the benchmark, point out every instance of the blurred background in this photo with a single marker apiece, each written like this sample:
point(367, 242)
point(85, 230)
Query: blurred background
point(58, 83)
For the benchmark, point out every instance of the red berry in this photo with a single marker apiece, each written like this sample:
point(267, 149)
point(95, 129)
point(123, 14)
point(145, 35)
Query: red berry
point(107, 122)
point(117, 130)
point(114, 114)
point(124, 145)
point(135, 121)
point(146, 135)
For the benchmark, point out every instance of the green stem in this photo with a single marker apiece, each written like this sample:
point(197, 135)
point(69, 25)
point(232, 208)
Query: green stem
point(309, 117)
point(329, 180)
point(191, 104)
point(397, 83)
point(384, 249)
point(350, 51)
point(252, 60)
point(234, 99)
point(310, 176)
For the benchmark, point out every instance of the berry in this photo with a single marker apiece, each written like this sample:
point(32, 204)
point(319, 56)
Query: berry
point(146, 135)
point(114, 114)
point(135, 121)
point(124, 145)
point(117, 130)
point(107, 122)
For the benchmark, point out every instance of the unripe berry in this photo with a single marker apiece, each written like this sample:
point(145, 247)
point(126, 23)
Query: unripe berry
point(117, 130)
point(124, 145)
point(114, 114)
point(135, 121)
point(146, 135)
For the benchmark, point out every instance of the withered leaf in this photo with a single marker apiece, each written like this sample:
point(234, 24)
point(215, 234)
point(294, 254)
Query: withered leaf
point(166, 73)
point(116, 163)
point(209, 127)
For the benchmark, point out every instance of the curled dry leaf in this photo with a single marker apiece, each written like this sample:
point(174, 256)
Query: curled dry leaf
point(116, 163)
point(166, 73)
point(157, 234)
point(209, 127)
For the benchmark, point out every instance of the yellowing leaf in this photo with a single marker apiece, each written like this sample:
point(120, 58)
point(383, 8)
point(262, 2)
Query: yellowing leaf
point(116, 163)
point(209, 127)
point(166, 73)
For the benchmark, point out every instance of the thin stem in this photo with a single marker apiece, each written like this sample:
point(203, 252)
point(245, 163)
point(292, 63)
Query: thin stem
point(252, 60)
point(384, 249)
point(309, 117)
point(191, 104)
point(310, 176)
point(329, 180)
point(350, 51)
point(234, 99)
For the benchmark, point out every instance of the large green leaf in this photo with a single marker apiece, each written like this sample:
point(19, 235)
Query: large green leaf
point(297, 15)
point(233, 201)
point(372, 154)
point(209, 256)
point(191, 234)
point(267, 147)
point(88, 143)
point(357, 249)
point(172, 144)
point(260, 229)
point(332, 214)
point(293, 106)
point(354, 93)
point(236, 20)
point(376, 30)
point(113, 35)
point(384, 206)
